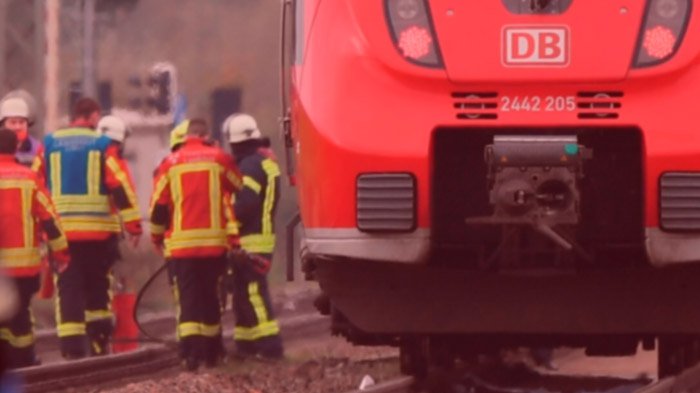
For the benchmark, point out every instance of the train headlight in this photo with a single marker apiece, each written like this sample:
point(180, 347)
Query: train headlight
point(412, 31)
point(662, 32)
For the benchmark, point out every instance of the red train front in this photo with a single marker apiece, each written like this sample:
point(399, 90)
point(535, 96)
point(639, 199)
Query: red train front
point(478, 174)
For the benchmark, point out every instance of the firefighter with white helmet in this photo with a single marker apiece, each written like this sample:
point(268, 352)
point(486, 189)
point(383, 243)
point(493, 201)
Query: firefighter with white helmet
point(15, 114)
point(257, 331)
point(114, 128)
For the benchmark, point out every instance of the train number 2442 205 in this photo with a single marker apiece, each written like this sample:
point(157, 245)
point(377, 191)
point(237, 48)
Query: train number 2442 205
point(538, 104)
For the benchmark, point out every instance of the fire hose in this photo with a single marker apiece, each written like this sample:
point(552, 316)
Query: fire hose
point(255, 262)
point(139, 297)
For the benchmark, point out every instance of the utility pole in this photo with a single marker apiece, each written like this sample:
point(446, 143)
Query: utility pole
point(3, 48)
point(51, 89)
point(39, 45)
point(89, 77)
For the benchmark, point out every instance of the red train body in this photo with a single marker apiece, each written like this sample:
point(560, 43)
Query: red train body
point(501, 171)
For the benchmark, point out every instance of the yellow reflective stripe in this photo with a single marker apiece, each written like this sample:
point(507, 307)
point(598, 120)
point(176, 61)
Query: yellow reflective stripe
point(128, 214)
point(55, 160)
point(233, 178)
point(96, 315)
point(84, 199)
point(171, 244)
point(272, 170)
point(28, 220)
point(269, 328)
point(177, 197)
point(231, 224)
point(157, 229)
point(58, 244)
point(210, 330)
point(71, 329)
point(16, 183)
point(20, 257)
point(46, 203)
point(36, 164)
point(160, 186)
point(258, 243)
point(74, 132)
point(252, 184)
point(257, 302)
point(202, 233)
point(215, 197)
point(93, 173)
point(22, 341)
point(188, 329)
point(87, 223)
point(82, 204)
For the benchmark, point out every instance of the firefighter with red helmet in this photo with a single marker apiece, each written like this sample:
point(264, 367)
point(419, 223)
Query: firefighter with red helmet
point(26, 207)
point(95, 198)
point(193, 224)
point(257, 331)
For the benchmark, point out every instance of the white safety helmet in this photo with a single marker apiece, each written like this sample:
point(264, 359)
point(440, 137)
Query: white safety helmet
point(114, 128)
point(241, 127)
point(14, 107)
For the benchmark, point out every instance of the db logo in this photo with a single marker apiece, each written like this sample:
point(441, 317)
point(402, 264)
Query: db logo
point(536, 46)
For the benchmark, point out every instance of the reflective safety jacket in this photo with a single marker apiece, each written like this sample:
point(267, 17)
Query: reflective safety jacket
point(256, 203)
point(89, 183)
point(190, 210)
point(26, 211)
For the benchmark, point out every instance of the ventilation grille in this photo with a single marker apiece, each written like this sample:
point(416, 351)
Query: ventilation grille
point(599, 105)
point(680, 201)
point(475, 105)
point(386, 202)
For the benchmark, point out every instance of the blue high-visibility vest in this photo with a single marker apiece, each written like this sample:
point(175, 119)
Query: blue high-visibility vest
point(74, 159)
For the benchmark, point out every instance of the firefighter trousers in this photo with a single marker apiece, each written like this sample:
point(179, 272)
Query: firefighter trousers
point(84, 313)
point(199, 326)
point(17, 335)
point(256, 332)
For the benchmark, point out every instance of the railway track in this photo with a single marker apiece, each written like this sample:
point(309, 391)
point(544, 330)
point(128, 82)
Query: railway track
point(150, 359)
point(687, 382)
point(398, 385)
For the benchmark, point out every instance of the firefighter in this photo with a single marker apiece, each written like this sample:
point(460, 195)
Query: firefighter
point(93, 194)
point(25, 206)
point(177, 138)
point(257, 331)
point(15, 115)
point(115, 129)
point(193, 226)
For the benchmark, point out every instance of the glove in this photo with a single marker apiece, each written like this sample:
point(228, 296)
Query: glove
point(259, 264)
point(61, 260)
point(134, 228)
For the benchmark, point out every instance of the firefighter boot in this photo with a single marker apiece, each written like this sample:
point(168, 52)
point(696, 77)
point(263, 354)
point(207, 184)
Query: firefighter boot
point(99, 334)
